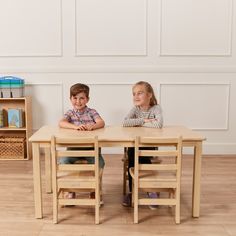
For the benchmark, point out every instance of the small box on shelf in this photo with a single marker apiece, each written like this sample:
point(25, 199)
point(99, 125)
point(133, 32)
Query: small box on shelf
point(12, 87)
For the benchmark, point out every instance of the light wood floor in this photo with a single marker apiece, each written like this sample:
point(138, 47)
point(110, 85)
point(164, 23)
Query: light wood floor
point(218, 204)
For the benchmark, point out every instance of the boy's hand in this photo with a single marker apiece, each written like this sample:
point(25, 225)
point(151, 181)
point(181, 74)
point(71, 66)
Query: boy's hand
point(81, 127)
point(89, 127)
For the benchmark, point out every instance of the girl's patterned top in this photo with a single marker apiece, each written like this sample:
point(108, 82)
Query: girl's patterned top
point(136, 117)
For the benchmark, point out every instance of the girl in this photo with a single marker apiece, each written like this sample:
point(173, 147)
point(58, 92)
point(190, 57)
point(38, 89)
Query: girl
point(147, 113)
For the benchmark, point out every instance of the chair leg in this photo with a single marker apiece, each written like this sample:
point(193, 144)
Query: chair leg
point(124, 175)
point(135, 213)
point(135, 197)
point(55, 207)
point(48, 170)
point(98, 192)
point(97, 206)
point(177, 207)
point(132, 196)
point(177, 214)
point(124, 184)
point(100, 175)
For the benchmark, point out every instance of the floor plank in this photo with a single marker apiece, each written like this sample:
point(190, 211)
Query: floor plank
point(218, 204)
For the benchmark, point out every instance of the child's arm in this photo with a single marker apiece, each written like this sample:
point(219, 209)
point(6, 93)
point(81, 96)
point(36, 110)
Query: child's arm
point(99, 122)
point(64, 123)
point(131, 120)
point(157, 120)
point(153, 123)
point(98, 125)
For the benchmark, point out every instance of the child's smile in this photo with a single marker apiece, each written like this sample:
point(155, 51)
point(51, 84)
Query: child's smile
point(79, 101)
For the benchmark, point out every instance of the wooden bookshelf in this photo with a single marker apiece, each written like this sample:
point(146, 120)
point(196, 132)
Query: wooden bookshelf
point(25, 104)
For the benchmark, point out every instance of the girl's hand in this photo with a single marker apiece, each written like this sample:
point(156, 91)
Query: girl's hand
point(148, 120)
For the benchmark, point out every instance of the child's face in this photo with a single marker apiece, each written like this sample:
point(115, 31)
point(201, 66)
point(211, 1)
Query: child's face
point(140, 96)
point(79, 101)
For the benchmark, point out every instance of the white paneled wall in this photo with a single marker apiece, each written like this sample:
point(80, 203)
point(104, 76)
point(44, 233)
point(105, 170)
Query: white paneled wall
point(124, 35)
point(202, 106)
point(194, 28)
point(185, 49)
point(30, 28)
point(47, 103)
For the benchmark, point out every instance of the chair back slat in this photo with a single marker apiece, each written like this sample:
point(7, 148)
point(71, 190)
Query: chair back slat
point(146, 153)
point(76, 167)
point(75, 153)
point(163, 167)
point(74, 141)
point(158, 141)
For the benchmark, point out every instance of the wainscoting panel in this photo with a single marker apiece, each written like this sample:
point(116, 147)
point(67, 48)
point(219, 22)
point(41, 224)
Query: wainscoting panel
point(47, 103)
point(198, 106)
point(196, 28)
point(30, 28)
point(116, 28)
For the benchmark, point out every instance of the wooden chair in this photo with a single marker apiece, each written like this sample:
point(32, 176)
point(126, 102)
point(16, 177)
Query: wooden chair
point(160, 177)
point(75, 177)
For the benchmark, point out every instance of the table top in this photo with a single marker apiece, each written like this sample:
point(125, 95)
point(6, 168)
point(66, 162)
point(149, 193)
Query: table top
point(117, 133)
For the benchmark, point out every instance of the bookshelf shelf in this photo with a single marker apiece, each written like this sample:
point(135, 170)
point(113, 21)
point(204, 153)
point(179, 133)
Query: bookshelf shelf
point(15, 129)
point(10, 99)
point(23, 103)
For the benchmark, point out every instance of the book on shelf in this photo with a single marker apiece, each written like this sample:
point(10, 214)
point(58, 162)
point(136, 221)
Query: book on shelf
point(15, 117)
point(1, 118)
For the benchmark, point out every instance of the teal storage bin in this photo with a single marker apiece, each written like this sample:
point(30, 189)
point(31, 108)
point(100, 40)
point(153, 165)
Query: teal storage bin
point(12, 87)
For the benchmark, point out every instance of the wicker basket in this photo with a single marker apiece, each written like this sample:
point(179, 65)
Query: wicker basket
point(12, 147)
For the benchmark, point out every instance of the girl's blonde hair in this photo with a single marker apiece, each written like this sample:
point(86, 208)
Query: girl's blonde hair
point(149, 89)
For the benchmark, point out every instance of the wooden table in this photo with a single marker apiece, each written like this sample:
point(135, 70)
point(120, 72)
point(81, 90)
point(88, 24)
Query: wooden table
point(112, 136)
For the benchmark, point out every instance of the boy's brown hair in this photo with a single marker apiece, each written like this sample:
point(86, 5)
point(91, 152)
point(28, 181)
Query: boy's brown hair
point(79, 88)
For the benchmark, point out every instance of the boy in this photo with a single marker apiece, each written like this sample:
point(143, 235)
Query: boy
point(80, 117)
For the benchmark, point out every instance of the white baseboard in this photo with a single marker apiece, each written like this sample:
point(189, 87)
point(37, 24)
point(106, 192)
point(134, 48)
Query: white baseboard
point(219, 148)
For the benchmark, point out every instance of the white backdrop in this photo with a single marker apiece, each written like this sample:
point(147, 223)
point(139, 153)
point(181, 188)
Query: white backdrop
point(185, 49)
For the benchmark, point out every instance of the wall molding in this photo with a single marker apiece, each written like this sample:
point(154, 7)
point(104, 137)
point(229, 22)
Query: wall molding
point(119, 69)
point(225, 128)
point(228, 54)
point(219, 148)
point(44, 55)
point(28, 85)
point(77, 54)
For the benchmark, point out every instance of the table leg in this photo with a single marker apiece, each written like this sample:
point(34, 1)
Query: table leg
point(37, 181)
point(48, 170)
point(197, 179)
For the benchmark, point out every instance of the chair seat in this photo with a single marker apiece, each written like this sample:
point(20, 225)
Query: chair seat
point(79, 179)
point(147, 176)
point(76, 175)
